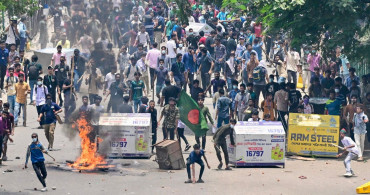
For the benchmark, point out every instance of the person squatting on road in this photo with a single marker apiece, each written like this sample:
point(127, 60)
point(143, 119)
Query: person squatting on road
point(196, 157)
point(36, 150)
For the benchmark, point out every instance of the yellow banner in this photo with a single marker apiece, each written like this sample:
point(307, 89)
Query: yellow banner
point(311, 134)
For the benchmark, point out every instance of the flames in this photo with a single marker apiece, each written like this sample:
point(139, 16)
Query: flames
point(89, 158)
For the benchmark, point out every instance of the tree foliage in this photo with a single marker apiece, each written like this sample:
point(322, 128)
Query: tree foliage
point(19, 7)
point(306, 22)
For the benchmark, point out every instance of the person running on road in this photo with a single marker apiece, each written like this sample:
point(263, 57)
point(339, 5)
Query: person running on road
point(350, 148)
point(35, 150)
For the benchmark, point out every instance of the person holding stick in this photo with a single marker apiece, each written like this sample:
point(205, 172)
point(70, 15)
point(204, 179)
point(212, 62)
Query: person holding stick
point(36, 150)
point(350, 148)
point(196, 157)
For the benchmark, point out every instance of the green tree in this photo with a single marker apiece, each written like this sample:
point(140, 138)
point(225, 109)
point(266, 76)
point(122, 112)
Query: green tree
point(19, 7)
point(307, 21)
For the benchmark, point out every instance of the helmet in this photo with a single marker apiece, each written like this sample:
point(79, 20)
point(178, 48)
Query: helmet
point(13, 18)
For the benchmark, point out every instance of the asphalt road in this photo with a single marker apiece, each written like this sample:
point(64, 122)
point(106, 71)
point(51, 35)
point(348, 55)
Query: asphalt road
point(142, 176)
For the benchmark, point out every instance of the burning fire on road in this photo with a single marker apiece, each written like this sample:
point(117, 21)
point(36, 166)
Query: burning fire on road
point(89, 159)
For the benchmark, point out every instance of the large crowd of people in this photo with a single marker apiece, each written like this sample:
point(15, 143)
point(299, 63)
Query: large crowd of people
point(249, 75)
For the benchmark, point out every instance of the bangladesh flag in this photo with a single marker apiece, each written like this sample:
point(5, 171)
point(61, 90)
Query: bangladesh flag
point(191, 115)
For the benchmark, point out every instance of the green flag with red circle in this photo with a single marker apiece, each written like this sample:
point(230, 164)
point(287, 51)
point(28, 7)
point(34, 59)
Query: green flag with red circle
point(191, 115)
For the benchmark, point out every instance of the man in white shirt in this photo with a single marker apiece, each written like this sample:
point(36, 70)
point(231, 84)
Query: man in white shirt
point(39, 96)
point(350, 148)
point(292, 61)
point(143, 38)
point(171, 48)
point(143, 67)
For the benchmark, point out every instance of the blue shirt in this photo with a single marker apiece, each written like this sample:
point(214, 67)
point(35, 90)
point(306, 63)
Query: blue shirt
point(189, 63)
point(22, 30)
point(232, 95)
point(221, 16)
point(333, 107)
point(4, 55)
point(48, 111)
point(36, 153)
point(194, 157)
point(223, 106)
point(349, 81)
point(258, 49)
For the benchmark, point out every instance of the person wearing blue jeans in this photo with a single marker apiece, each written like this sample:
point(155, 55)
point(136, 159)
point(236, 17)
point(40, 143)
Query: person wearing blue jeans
point(196, 157)
point(16, 113)
point(223, 109)
point(23, 89)
point(32, 84)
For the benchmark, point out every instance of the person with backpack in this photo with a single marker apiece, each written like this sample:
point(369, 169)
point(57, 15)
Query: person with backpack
point(34, 71)
point(260, 78)
point(11, 80)
point(39, 97)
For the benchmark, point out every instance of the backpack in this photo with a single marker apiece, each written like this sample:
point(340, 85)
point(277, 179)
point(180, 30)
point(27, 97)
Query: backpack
point(258, 74)
point(33, 72)
point(44, 90)
point(16, 79)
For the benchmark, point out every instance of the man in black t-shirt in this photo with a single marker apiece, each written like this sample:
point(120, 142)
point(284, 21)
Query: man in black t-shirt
point(210, 43)
point(116, 90)
point(272, 87)
point(294, 97)
point(205, 69)
point(169, 91)
point(195, 90)
point(70, 100)
point(61, 71)
point(50, 81)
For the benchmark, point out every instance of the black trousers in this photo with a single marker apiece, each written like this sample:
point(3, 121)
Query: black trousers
point(206, 80)
point(60, 84)
point(281, 117)
point(154, 136)
point(190, 79)
point(92, 98)
point(181, 135)
point(152, 73)
point(40, 171)
point(222, 146)
point(188, 163)
point(170, 131)
point(204, 139)
point(2, 75)
point(38, 108)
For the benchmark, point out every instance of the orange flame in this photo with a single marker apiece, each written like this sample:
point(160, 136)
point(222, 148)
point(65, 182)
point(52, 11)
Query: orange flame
point(89, 158)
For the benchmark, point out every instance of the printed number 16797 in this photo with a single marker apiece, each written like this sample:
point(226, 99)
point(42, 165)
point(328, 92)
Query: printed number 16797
point(254, 153)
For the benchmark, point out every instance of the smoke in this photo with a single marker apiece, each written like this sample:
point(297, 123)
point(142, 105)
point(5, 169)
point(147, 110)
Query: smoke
point(70, 130)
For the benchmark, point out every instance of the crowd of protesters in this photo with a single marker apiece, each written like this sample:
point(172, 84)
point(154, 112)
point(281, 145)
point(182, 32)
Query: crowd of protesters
point(250, 76)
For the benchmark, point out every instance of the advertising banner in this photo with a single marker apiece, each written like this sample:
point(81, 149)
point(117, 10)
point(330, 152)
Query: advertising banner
point(126, 135)
point(312, 134)
point(258, 144)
